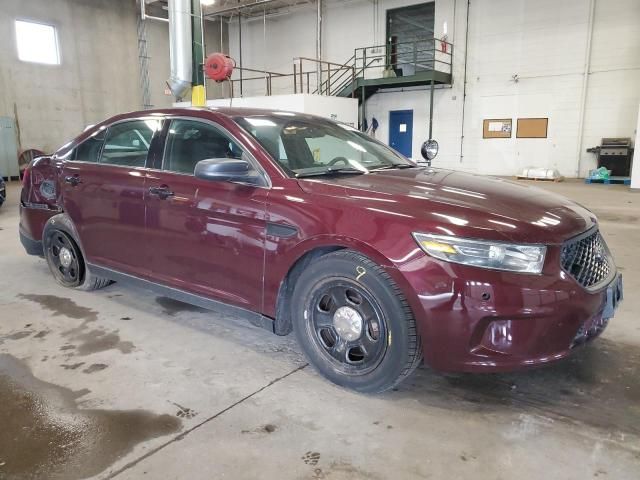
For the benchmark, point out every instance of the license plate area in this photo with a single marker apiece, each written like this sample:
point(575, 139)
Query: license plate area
point(596, 325)
point(614, 297)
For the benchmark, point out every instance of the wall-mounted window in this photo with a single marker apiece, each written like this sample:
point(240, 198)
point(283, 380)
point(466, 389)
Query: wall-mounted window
point(37, 42)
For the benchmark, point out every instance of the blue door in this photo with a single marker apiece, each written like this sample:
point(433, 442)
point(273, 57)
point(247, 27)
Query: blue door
point(401, 131)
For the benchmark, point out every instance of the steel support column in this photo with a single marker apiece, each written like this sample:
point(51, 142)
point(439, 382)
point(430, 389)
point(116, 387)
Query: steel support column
point(431, 110)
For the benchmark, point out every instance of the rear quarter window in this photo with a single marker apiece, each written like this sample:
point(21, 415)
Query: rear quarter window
point(89, 150)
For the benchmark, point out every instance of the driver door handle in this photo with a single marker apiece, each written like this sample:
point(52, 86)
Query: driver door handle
point(161, 192)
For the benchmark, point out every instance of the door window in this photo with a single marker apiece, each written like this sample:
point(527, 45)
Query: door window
point(190, 141)
point(89, 150)
point(127, 143)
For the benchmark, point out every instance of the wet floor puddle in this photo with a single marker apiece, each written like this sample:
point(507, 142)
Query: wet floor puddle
point(45, 435)
point(87, 340)
point(172, 307)
point(62, 306)
point(598, 386)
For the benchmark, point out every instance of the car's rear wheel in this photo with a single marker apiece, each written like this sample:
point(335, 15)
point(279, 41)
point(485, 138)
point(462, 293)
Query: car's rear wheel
point(354, 324)
point(65, 259)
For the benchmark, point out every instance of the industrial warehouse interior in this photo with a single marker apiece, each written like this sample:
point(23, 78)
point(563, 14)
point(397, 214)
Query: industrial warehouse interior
point(319, 239)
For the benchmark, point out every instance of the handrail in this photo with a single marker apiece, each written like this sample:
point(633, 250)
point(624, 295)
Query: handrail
point(315, 60)
point(347, 81)
point(424, 53)
point(449, 44)
point(332, 78)
point(341, 71)
point(325, 86)
point(299, 76)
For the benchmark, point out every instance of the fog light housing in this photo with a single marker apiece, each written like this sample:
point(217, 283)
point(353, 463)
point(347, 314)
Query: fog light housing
point(499, 336)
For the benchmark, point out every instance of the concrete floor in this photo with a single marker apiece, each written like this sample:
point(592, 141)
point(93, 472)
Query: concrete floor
point(121, 384)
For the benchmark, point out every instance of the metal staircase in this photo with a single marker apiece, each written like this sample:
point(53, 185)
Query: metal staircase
point(370, 69)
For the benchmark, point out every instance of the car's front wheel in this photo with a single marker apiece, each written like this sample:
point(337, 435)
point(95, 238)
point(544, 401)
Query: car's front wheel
point(354, 324)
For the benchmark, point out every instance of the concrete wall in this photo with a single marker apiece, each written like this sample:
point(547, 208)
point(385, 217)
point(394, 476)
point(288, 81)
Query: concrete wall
point(97, 77)
point(543, 42)
point(99, 73)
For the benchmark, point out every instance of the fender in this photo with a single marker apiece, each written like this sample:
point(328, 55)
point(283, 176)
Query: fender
point(280, 275)
point(63, 222)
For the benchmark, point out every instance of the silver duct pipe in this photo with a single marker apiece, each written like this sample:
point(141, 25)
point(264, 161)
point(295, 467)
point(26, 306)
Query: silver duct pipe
point(180, 52)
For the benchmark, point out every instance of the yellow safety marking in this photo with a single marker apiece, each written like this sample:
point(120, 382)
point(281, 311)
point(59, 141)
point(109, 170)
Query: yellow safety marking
point(198, 98)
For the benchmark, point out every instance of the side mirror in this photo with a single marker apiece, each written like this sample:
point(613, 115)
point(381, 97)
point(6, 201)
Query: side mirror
point(226, 170)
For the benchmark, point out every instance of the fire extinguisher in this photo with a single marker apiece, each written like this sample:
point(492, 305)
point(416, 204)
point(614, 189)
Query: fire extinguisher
point(444, 46)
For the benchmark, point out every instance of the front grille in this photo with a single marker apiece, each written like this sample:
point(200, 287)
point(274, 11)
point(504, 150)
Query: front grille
point(587, 259)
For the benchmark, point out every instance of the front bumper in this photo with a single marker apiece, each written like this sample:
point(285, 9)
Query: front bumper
point(478, 320)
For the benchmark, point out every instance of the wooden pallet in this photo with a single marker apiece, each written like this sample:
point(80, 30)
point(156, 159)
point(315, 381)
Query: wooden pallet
point(610, 180)
point(540, 179)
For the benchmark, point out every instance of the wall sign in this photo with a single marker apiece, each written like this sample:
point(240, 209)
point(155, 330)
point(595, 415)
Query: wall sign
point(496, 128)
point(532, 128)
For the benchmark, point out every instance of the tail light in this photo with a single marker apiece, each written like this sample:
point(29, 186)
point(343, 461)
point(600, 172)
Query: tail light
point(26, 176)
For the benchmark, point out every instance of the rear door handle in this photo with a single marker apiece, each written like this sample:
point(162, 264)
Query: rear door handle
point(73, 180)
point(161, 192)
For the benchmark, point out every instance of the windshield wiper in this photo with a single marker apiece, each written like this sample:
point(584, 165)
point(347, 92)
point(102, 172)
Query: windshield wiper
point(332, 171)
point(394, 166)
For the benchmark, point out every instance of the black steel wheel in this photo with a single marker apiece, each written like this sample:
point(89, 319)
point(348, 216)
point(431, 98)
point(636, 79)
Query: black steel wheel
point(64, 259)
point(347, 325)
point(354, 323)
point(64, 256)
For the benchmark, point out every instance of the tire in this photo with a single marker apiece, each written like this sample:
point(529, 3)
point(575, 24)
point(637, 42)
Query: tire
point(371, 350)
point(68, 269)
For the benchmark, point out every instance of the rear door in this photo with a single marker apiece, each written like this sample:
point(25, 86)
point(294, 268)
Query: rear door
point(205, 237)
point(104, 194)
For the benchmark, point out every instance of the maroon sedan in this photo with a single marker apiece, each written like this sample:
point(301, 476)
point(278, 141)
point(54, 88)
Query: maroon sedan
point(303, 224)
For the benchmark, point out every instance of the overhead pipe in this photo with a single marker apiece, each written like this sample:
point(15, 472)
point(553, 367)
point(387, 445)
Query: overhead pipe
point(180, 52)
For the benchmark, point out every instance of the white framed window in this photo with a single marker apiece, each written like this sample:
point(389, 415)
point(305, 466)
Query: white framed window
point(37, 42)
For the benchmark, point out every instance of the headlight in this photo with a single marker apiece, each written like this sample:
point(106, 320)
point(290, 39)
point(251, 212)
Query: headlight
point(485, 254)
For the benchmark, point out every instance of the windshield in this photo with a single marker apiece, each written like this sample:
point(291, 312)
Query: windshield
point(305, 147)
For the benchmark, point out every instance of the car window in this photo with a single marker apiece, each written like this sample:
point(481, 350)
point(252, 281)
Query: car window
point(128, 143)
point(303, 145)
point(89, 150)
point(190, 141)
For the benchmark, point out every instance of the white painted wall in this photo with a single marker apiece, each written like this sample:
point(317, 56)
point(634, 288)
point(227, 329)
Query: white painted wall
point(344, 110)
point(95, 78)
point(98, 76)
point(543, 42)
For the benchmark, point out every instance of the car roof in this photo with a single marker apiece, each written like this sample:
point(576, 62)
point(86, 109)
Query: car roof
point(195, 112)
point(226, 111)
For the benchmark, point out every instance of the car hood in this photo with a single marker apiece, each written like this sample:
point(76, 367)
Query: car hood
point(462, 204)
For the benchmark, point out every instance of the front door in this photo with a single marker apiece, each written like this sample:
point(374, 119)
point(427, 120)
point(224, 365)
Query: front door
point(401, 131)
point(206, 237)
point(104, 194)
